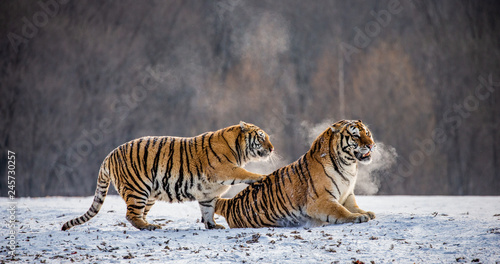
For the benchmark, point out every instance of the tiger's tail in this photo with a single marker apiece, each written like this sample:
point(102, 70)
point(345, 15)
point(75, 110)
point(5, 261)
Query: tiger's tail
point(101, 191)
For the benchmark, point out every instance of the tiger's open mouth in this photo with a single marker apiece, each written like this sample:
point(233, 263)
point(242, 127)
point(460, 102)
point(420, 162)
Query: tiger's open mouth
point(364, 157)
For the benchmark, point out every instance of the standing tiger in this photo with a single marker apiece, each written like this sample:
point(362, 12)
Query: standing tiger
point(176, 169)
point(316, 189)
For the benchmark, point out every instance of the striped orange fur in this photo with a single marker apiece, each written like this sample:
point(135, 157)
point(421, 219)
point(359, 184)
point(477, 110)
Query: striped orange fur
point(176, 169)
point(316, 189)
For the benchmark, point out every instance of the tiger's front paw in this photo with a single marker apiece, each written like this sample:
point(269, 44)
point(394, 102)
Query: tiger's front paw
point(370, 214)
point(150, 227)
point(217, 226)
point(359, 218)
point(255, 179)
point(214, 226)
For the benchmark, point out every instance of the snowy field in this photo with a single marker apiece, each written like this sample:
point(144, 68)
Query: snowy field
point(408, 229)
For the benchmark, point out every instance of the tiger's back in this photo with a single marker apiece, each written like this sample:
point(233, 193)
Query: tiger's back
point(176, 169)
point(171, 169)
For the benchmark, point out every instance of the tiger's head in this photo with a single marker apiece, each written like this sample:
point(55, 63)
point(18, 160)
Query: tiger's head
point(257, 141)
point(356, 139)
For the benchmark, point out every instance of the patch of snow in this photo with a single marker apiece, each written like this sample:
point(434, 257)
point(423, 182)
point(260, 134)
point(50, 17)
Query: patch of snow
point(408, 229)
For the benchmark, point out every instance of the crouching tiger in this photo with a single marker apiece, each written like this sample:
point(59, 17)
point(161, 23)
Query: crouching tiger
point(175, 169)
point(316, 189)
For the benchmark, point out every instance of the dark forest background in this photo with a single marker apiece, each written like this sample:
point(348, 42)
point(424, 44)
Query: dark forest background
point(79, 78)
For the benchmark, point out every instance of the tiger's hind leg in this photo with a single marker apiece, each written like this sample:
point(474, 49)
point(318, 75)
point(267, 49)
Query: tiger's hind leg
point(136, 213)
point(149, 204)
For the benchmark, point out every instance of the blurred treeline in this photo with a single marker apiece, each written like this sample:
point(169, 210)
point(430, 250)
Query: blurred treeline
point(80, 78)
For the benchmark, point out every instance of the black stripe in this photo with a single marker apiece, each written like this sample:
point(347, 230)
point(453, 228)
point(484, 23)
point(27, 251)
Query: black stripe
point(154, 168)
point(264, 202)
point(230, 148)
point(246, 209)
point(138, 154)
point(189, 179)
point(92, 210)
point(138, 207)
point(233, 206)
point(256, 206)
point(316, 146)
point(188, 182)
point(206, 149)
point(247, 147)
point(139, 199)
point(330, 193)
point(207, 203)
point(127, 177)
point(113, 159)
point(192, 145)
point(136, 163)
point(238, 149)
point(280, 205)
point(304, 172)
point(134, 177)
point(331, 179)
point(145, 160)
point(284, 171)
point(227, 158)
point(211, 149)
point(130, 211)
point(168, 168)
point(295, 170)
point(185, 147)
point(190, 151)
point(180, 177)
point(334, 163)
point(251, 208)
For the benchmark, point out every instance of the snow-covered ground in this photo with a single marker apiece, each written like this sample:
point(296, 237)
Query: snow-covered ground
point(408, 229)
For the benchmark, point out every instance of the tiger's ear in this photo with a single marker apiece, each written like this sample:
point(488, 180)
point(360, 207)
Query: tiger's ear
point(337, 127)
point(244, 126)
point(334, 128)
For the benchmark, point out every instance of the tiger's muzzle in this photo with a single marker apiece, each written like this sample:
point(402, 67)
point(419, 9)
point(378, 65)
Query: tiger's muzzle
point(265, 152)
point(364, 154)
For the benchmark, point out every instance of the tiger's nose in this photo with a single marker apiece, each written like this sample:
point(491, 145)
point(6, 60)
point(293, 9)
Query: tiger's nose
point(371, 146)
